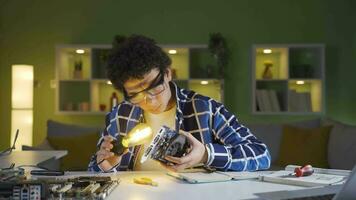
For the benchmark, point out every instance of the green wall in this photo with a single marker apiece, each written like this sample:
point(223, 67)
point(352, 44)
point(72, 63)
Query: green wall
point(29, 31)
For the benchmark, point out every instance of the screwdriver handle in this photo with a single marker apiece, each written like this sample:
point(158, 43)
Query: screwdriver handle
point(306, 170)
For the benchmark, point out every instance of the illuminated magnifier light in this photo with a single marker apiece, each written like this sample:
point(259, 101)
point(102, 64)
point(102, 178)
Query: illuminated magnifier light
point(204, 82)
point(267, 51)
point(140, 134)
point(172, 51)
point(300, 82)
point(80, 51)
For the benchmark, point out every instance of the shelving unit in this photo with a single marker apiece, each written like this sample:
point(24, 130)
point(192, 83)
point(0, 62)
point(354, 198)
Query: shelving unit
point(88, 91)
point(288, 79)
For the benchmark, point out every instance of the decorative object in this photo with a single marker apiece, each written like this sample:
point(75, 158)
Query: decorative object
point(114, 100)
point(69, 106)
point(84, 106)
point(22, 104)
point(218, 48)
point(102, 107)
point(267, 72)
point(174, 73)
point(78, 73)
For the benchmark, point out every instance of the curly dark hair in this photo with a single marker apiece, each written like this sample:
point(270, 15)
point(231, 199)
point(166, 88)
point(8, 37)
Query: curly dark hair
point(133, 57)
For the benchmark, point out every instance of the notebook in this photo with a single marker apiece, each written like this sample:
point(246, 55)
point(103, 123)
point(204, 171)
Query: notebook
point(334, 192)
point(320, 177)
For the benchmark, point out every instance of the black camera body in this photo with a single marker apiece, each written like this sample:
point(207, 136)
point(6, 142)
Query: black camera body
point(167, 142)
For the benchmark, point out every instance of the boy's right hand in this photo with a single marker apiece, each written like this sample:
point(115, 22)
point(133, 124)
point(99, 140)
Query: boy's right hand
point(104, 153)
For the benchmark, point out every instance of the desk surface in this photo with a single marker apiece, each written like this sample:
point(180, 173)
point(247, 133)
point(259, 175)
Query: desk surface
point(173, 189)
point(29, 157)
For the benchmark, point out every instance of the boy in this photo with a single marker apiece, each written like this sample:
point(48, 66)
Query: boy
point(141, 70)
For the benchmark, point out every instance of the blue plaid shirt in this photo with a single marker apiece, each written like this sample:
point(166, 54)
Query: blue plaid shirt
point(230, 145)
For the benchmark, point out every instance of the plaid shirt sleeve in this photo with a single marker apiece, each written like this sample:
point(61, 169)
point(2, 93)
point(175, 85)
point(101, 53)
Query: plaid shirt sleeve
point(93, 166)
point(237, 148)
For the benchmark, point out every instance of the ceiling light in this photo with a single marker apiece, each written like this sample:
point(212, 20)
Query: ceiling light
point(204, 82)
point(267, 51)
point(172, 51)
point(80, 51)
point(300, 82)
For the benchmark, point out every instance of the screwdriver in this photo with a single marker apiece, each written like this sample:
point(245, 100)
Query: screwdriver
point(305, 170)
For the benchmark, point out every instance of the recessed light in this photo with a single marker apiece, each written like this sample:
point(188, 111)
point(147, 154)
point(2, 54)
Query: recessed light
point(172, 51)
point(204, 82)
point(80, 51)
point(267, 51)
point(300, 82)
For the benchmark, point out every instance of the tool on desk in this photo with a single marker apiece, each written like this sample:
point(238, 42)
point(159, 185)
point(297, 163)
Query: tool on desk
point(46, 173)
point(145, 181)
point(305, 170)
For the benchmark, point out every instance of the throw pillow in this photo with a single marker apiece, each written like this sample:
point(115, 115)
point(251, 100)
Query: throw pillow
point(80, 149)
point(301, 146)
point(342, 145)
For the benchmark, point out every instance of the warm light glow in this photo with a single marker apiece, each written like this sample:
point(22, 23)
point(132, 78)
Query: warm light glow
point(138, 135)
point(300, 82)
point(267, 51)
point(80, 51)
point(22, 120)
point(204, 82)
point(172, 51)
point(22, 104)
point(109, 83)
point(22, 87)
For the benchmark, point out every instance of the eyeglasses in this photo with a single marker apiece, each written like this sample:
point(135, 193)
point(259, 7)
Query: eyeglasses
point(155, 88)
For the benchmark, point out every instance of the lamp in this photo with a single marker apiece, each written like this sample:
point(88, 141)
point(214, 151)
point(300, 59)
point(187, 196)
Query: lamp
point(22, 104)
point(140, 134)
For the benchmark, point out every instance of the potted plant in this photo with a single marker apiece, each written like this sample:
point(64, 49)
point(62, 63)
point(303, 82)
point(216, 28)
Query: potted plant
point(218, 48)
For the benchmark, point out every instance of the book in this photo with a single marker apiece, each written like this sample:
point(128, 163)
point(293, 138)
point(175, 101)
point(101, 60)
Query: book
point(274, 100)
point(299, 101)
point(328, 177)
point(266, 100)
point(260, 102)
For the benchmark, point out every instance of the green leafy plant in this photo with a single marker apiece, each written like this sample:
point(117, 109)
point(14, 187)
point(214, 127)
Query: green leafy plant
point(218, 48)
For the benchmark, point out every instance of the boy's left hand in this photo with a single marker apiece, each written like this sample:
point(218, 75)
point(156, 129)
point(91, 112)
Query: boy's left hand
point(197, 155)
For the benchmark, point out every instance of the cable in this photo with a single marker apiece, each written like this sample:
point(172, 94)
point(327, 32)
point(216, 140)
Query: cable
point(9, 150)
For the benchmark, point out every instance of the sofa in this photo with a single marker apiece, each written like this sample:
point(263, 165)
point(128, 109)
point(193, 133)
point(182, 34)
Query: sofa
point(325, 143)
point(79, 141)
point(321, 142)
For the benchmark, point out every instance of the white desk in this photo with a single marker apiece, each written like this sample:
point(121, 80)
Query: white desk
point(172, 189)
point(29, 157)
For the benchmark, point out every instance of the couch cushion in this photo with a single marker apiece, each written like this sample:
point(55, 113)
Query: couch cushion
point(301, 146)
point(270, 134)
point(55, 128)
point(80, 149)
point(342, 145)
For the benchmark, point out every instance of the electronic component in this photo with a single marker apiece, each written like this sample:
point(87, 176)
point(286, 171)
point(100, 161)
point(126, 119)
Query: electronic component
point(167, 142)
point(90, 187)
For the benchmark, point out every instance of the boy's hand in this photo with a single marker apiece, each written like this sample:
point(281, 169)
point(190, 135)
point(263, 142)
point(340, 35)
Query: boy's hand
point(104, 153)
point(197, 155)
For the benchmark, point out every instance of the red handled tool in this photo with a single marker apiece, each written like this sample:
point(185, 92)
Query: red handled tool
point(305, 170)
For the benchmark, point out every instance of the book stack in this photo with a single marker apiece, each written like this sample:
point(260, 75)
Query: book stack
point(299, 101)
point(267, 100)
